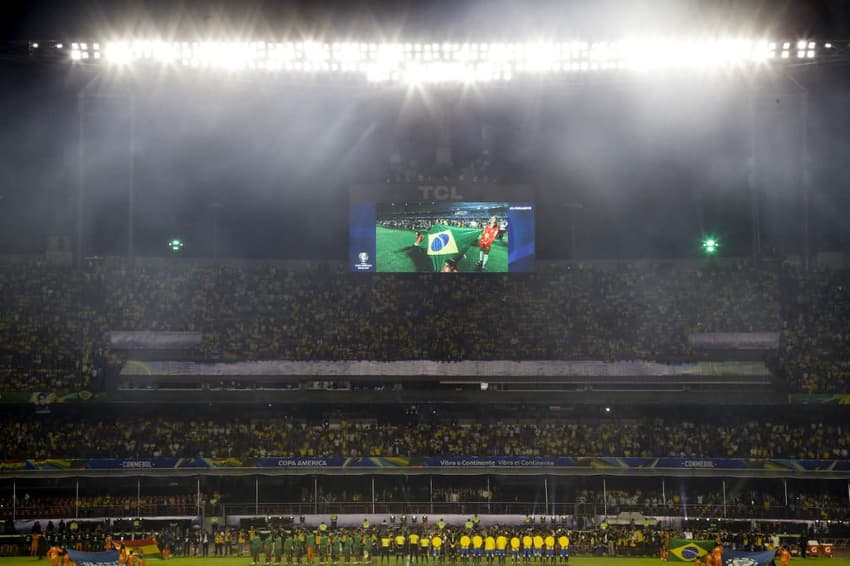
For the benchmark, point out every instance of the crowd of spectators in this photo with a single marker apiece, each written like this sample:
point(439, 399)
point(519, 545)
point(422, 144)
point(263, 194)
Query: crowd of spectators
point(49, 337)
point(574, 507)
point(54, 321)
point(234, 437)
point(100, 506)
point(711, 503)
point(815, 354)
point(683, 500)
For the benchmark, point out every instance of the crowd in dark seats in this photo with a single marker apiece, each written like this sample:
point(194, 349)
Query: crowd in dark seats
point(226, 436)
point(573, 314)
point(710, 503)
point(54, 321)
point(577, 504)
point(101, 506)
point(49, 337)
point(816, 342)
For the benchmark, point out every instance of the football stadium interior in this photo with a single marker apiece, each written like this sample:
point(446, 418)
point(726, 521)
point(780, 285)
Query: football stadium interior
point(427, 282)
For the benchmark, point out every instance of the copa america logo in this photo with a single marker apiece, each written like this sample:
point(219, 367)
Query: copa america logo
point(363, 257)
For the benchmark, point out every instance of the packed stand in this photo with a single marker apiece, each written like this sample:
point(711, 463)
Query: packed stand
point(266, 312)
point(816, 341)
point(28, 506)
point(51, 330)
point(54, 321)
point(234, 437)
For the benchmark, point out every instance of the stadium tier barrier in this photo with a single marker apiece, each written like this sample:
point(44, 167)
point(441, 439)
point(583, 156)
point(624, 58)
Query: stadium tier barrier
point(778, 466)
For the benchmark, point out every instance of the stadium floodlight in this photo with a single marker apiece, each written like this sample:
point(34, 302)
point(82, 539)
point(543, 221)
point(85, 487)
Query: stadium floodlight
point(118, 52)
point(450, 61)
point(710, 245)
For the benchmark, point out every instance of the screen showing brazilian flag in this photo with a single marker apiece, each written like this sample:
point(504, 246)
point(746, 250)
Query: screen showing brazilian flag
point(443, 237)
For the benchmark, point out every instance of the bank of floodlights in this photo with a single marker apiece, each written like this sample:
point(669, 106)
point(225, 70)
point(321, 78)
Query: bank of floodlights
point(452, 62)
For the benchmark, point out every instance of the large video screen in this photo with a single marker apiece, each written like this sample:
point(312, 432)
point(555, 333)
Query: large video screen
point(443, 237)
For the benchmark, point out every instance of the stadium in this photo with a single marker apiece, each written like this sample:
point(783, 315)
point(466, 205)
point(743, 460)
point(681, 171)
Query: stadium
point(441, 282)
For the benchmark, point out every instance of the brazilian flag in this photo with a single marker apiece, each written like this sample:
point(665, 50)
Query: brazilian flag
point(448, 242)
point(684, 550)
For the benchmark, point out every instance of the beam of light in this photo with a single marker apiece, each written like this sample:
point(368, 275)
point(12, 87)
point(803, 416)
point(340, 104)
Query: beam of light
point(451, 62)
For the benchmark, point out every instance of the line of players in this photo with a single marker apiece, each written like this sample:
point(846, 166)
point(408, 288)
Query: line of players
point(343, 546)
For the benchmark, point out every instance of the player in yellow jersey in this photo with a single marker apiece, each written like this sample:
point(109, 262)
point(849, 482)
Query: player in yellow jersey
point(437, 547)
point(538, 547)
point(465, 543)
point(564, 548)
point(490, 548)
point(549, 547)
point(527, 548)
point(477, 548)
point(501, 547)
point(515, 545)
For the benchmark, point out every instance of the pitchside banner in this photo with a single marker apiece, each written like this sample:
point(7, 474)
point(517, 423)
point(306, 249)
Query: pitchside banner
point(108, 558)
point(741, 558)
point(777, 465)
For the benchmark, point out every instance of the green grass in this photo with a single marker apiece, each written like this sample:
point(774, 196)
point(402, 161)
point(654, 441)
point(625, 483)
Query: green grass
point(395, 252)
point(574, 561)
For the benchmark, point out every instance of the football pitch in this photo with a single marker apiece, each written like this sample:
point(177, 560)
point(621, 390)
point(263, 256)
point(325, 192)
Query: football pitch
point(396, 253)
point(574, 561)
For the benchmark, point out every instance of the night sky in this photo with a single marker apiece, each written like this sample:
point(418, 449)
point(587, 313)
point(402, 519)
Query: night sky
point(655, 163)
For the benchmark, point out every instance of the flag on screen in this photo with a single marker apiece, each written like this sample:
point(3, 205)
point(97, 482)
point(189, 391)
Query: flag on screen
point(449, 242)
point(741, 558)
point(685, 550)
point(442, 243)
point(108, 558)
